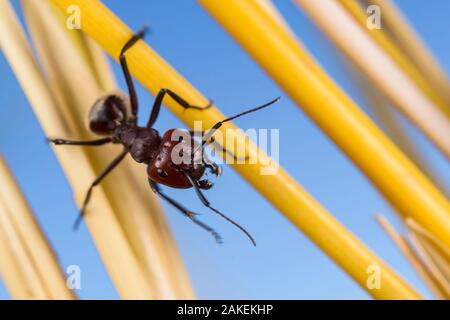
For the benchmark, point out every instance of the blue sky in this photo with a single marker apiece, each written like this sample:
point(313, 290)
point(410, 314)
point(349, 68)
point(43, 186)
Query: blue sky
point(285, 264)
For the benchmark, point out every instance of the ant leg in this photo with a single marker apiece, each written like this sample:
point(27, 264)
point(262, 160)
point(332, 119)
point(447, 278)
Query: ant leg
point(123, 62)
point(94, 143)
point(186, 104)
point(102, 175)
point(205, 184)
point(213, 167)
point(156, 189)
point(158, 102)
point(156, 108)
point(207, 204)
point(184, 211)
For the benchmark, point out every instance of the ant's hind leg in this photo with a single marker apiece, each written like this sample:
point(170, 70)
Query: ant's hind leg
point(93, 143)
point(96, 182)
point(184, 211)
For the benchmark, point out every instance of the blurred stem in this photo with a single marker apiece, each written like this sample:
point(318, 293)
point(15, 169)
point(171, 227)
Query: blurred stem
point(106, 232)
point(411, 44)
point(408, 251)
point(381, 70)
point(400, 58)
point(32, 240)
point(394, 128)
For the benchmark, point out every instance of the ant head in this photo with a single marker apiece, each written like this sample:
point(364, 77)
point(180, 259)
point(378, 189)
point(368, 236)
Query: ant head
point(108, 113)
point(174, 157)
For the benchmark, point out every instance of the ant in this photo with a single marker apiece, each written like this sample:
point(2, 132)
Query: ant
point(110, 116)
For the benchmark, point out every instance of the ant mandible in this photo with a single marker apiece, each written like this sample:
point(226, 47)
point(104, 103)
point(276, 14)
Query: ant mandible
point(109, 116)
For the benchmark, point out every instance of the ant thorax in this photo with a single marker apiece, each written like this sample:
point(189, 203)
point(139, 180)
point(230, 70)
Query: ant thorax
point(141, 143)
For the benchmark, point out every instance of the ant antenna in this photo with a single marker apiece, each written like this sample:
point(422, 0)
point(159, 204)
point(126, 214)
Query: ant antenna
point(235, 224)
point(210, 133)
point(208, 205)
point(251, 110)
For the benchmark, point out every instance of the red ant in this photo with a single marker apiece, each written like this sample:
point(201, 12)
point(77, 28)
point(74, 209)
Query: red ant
point(110, 116)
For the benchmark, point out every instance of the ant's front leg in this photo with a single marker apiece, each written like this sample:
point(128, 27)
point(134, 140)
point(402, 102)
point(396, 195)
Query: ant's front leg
point(205, 184)
point(93, 143)
point(213, 167)
point(191, 215)
point(158, 102)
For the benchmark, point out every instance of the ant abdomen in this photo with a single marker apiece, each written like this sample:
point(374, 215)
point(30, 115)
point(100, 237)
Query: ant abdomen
point(107, 114)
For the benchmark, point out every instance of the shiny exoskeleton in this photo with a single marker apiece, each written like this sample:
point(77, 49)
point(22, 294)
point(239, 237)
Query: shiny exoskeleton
point(176, 159)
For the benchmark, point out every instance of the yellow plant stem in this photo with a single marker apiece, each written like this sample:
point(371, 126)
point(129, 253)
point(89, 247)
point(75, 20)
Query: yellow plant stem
point(278, 188)
point(396, 129)
point(437, 245)
point(19, 252)
point(413, 258)
point(402, 60)
point(407, 189)
point(13, 279)
point(438, 269)
point(432, 251)
point(414, 47)
point(385, 75)
point(107, 234)
point(34, 242)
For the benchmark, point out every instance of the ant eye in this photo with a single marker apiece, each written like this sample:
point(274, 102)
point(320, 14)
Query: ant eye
point(161, 173)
